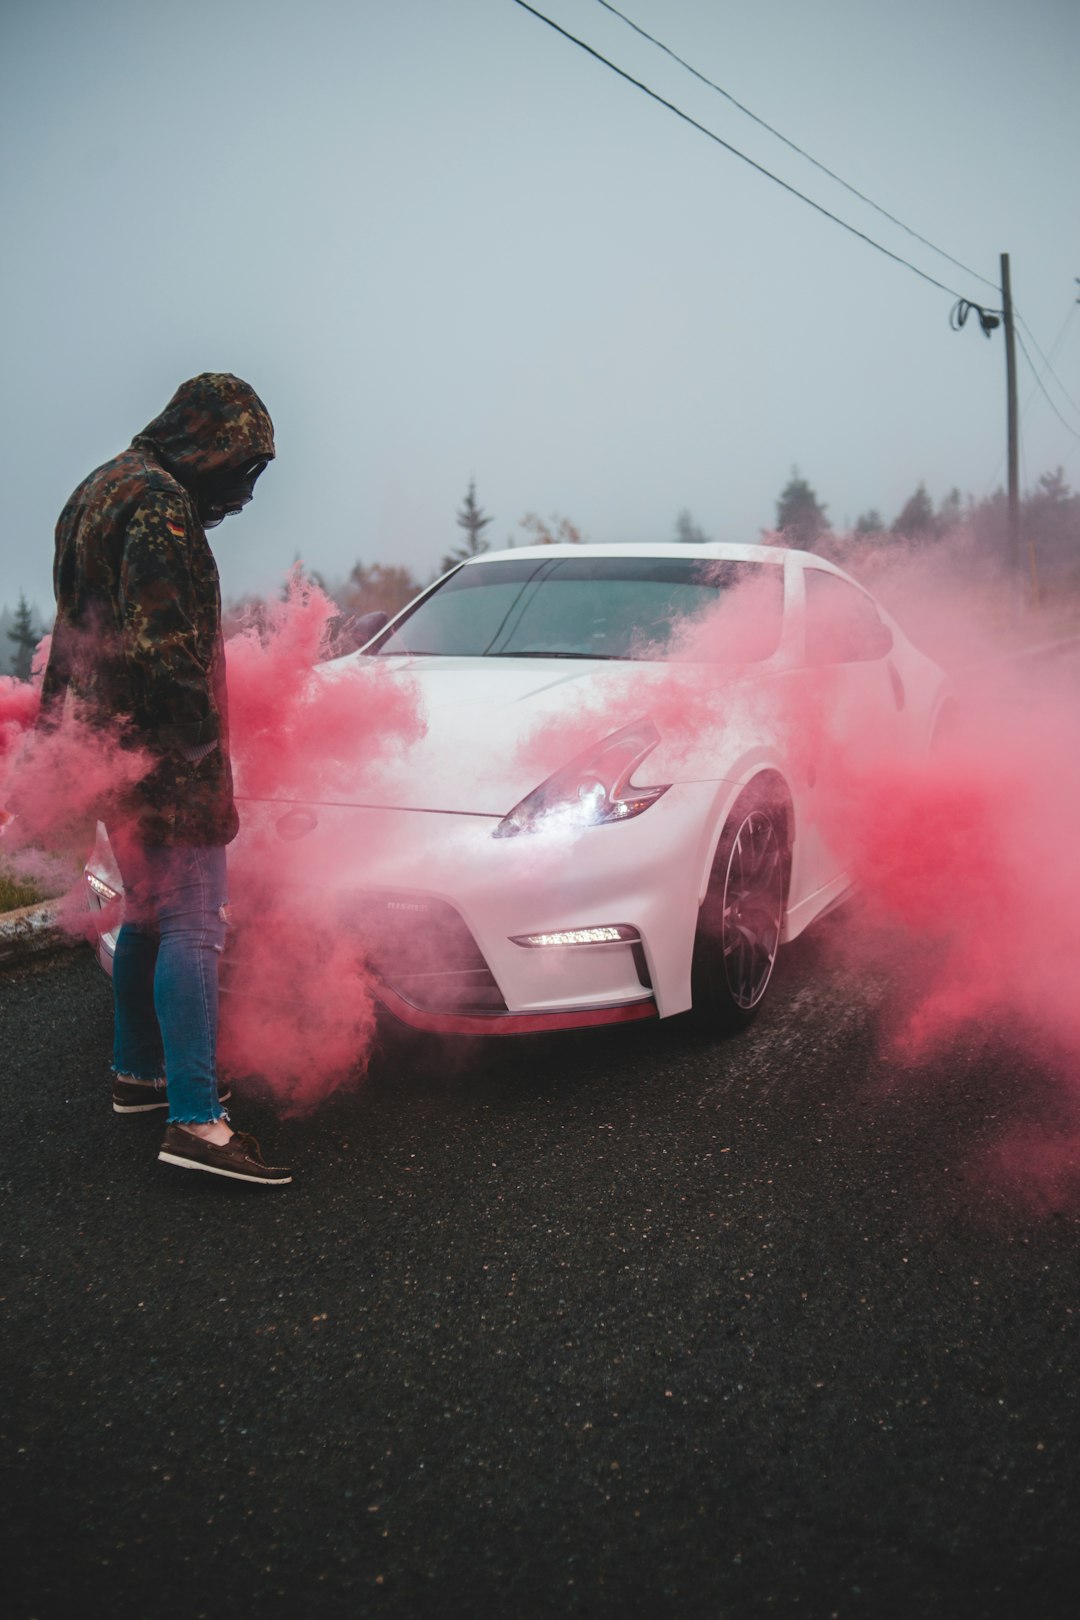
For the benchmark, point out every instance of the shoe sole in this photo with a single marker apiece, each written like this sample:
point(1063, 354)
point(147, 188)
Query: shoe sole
point(149, 1107)
point(216, 1170)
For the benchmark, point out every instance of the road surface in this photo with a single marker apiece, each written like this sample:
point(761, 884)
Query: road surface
point(631, 1323)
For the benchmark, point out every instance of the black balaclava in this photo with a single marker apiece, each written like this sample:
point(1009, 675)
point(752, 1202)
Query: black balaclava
point(222, 494)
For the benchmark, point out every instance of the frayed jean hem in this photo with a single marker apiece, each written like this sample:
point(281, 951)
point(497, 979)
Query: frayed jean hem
point(191, 1119)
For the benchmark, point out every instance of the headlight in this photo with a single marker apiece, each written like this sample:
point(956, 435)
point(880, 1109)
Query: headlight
point(103, 890)
point(593, 788)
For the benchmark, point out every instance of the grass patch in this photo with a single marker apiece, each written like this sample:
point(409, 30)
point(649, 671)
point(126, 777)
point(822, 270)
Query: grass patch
point(16, 892)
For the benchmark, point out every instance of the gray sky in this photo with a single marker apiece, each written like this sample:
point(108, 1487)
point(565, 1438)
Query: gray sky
point(442, 242)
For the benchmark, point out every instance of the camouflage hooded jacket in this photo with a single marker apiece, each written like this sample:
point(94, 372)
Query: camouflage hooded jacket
point(137, 638)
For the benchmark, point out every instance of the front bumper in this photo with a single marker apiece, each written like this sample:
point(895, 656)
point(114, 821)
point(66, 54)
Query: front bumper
point(460, 898)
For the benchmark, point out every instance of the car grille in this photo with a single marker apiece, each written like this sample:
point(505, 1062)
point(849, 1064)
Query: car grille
point(416, 945)
point(421, 948)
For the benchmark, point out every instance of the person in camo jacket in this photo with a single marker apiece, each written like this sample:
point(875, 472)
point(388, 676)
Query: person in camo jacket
point(137, 642)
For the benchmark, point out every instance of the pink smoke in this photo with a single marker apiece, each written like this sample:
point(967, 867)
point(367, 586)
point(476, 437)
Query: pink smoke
point(301, 1013)
point(970, 860)
point(19, 701)
point(296, 733)
point(966, 863)
point(55, 783)
point(707, 681)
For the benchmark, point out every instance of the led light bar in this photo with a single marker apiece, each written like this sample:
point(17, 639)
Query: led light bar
point(610, 934)
point(101, 888)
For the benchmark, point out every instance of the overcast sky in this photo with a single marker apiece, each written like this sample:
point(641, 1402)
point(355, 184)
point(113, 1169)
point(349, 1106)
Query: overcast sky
point(442, 243)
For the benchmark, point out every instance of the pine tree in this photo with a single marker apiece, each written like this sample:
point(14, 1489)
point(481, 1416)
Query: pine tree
point(915, 520)
point(1050, 515)
point(950, 514)
point(474, 521)
point(800, 516)
point(25, 638)
point(687, 532)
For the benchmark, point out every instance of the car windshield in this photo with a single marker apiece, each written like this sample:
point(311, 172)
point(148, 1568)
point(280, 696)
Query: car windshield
point(583, 607)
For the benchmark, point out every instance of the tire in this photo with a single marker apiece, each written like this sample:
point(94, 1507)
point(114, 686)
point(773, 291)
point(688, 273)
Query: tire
point(738, 933)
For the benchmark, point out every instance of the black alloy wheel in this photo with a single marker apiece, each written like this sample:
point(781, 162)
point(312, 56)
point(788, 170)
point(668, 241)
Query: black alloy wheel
point(739, 927)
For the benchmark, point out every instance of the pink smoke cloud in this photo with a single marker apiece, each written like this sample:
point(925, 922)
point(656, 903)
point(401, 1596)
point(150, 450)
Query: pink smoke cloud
point(301, 1015)
point(966, 862)
point(55, 781)
point(301, 1012)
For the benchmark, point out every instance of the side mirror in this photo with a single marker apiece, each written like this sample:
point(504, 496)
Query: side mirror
point(360, 631)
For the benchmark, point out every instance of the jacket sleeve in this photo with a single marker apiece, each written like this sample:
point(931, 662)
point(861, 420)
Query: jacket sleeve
point(164, 645)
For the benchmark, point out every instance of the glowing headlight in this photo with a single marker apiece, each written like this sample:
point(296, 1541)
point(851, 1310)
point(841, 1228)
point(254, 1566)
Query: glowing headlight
point(592, 789)
point(101, 888)
point(616, 934)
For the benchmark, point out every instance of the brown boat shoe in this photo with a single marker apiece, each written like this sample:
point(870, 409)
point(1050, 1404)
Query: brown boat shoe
point(238, 1158)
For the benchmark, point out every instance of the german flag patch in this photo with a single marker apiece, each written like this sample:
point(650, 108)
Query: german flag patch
point(176, 529)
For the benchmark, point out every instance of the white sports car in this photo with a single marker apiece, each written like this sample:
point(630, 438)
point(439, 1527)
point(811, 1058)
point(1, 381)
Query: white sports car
point(622, 805)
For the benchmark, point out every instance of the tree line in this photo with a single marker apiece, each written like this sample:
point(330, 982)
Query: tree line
point(1049, 516)
point(1049, 523)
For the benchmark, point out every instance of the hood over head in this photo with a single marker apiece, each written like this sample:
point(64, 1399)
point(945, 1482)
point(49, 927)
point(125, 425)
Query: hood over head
point(212, 422)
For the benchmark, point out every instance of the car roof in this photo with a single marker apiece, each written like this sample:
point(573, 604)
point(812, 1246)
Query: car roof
point(661, 548)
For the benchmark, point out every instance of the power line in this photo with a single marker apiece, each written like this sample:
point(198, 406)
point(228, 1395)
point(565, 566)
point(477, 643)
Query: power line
point(1055, 346)
point(855, 192)
point(1046, 396)
point(1047, 367)
point(734, 150)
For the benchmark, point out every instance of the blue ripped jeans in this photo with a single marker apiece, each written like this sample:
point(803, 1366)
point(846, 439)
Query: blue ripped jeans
point(165, 974)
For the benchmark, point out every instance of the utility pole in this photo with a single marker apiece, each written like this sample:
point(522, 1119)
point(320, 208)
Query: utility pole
point(1014, 453)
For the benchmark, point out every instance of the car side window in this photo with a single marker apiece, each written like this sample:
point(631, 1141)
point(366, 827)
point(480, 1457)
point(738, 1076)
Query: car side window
point(842, 624)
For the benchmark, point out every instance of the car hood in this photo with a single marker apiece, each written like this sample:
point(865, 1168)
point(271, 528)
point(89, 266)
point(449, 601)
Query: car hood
point(496, 728)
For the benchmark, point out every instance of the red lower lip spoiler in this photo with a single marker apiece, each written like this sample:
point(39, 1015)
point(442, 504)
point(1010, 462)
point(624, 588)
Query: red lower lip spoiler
point(508, 1023)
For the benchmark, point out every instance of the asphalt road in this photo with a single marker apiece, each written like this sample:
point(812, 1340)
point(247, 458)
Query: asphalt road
point(625, 1324)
